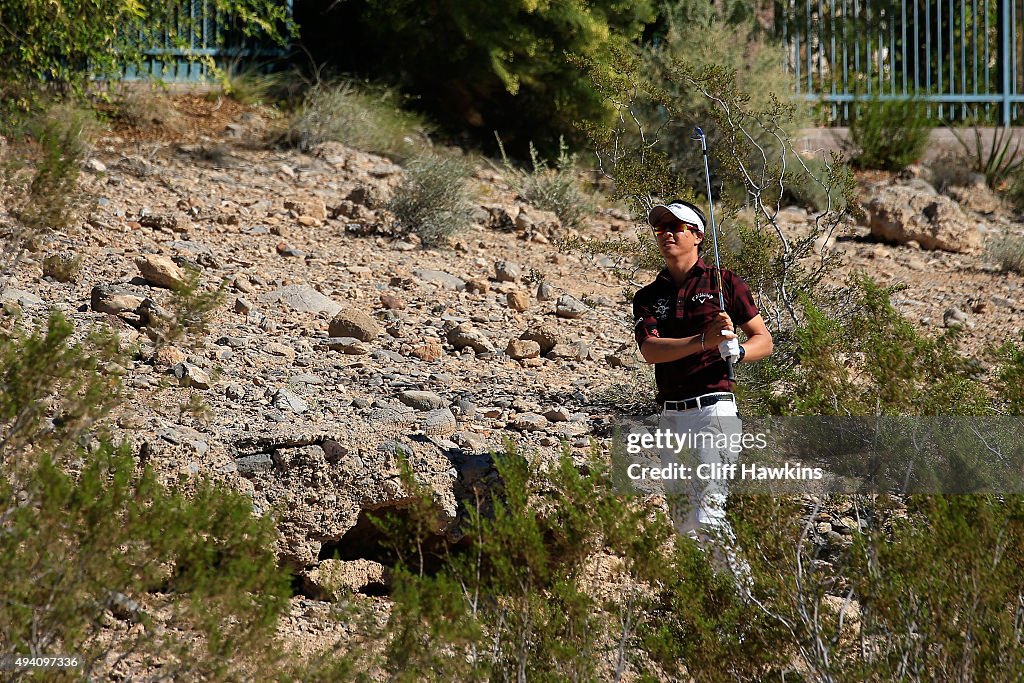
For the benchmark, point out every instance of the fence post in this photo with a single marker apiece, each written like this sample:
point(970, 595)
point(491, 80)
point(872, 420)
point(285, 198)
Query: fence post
point(1005, 63)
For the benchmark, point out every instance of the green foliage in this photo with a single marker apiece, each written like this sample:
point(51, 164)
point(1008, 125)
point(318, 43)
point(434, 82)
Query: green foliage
point(433, 200)
point(481, 67)
point(250, 85)
point(867, 359)
point(107, 537)
point(551, 189)
point(1008, 252)
point(1010, 378)
point(701, 39)
point(62, 45)
point(369, 119)
point(43, 375)
point(889, 134)
point(943, 591)
point(998, 161)
point(40, 173)
point(188, 312)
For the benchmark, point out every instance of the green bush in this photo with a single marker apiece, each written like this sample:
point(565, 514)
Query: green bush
point(889, 134)
point(61, 46)
point(433, 200)
point(1008, 252)
point(480, 67)
point(998, 161)
point(364, 118)
point(39, 178)
point(551, 189)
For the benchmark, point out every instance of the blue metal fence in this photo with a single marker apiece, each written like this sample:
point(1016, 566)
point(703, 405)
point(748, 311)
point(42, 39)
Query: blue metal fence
point(962, 57)
point(180, 49)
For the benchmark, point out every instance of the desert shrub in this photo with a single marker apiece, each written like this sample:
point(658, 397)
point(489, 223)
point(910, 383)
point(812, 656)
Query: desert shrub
point(39, 177)
point(433, 200)
point(555, 189)
point(186, 314)
point(252, 84)
point(998, 161)
point(476, 68)
point(1010, 377)
point(889, 134)
point(700, 37)
point(366, 118)
point(147, 108)
point(62, 266)
point(1008, 252)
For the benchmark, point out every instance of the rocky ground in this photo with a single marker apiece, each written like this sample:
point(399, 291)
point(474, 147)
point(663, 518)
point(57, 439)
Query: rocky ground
point(337, 347)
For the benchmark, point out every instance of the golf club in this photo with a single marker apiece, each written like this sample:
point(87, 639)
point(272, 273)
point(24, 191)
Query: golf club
point(698, 134)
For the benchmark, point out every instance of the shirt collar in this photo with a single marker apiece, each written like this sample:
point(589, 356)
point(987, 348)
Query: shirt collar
point(698, 267)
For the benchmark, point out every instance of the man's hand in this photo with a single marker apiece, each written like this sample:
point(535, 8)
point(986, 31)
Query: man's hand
point(719, 328)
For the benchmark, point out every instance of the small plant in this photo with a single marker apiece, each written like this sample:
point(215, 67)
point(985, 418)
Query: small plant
point(148, 109)
point(998, 161)
point(62, 266)
point(366, 119)
point(39, 178)
point(1008, 252)
point(188, 314)
point(551, 189)
point(889, 134)
point(249, 85)
point(433, 201)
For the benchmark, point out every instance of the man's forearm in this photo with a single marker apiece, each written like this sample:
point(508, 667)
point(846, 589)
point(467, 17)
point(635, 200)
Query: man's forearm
point(758, 346)
point(665, 350)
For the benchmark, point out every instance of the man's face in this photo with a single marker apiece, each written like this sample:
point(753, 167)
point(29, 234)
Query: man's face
point(676, 238)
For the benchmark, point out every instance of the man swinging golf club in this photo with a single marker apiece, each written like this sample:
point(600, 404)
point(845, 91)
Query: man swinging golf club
point(685, 326)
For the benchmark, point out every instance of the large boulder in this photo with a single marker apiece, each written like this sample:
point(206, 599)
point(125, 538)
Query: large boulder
point(903, 214)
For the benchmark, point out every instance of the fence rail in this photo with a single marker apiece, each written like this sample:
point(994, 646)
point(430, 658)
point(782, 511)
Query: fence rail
point(180, 49)
point(962, 57)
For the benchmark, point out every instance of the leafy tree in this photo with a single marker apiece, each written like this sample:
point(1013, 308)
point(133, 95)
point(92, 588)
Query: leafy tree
point(481, 67)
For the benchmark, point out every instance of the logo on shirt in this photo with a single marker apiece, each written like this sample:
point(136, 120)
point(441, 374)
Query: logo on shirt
point(702, 297)
point(661, 308)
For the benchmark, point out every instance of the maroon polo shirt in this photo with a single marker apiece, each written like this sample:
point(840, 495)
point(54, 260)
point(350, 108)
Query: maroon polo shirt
point(669, 310)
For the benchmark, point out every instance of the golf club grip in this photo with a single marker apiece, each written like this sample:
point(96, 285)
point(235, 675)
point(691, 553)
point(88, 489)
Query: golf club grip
point(732, 370)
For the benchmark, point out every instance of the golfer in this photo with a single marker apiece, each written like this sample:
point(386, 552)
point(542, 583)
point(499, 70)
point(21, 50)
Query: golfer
point(682, 331)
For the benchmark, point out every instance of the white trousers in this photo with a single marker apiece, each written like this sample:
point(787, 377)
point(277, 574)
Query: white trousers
point(697, 504)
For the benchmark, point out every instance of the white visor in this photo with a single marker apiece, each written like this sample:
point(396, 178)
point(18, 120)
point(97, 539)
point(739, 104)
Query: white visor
point(680, 211)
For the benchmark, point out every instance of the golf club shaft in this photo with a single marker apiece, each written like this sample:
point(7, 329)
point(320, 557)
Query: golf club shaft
point(714, 235)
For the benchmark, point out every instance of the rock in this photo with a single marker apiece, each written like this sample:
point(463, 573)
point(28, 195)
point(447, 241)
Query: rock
point(466, 335)
point(287, 400)
point(900, 213)
point(20, 297)
point(312, 207)
point(252, 464)
point(518, 301)
point(544, 292)
point(167, 356)
point(159, 221)
point(439, 422)
point(978, 198)
point(626, 356)
point(440, 278)
point(422, 400)
point(302, 298)
point(136, 166)
point(333, 580)
point(62, 266)
point(161, 271)
point(106, 299)
point(96, 166)
point(352, 323)
point(537, 220)
point(242, 306)
point(560, 414)
point(477, 286)
point(528, 422)
point(507, 271)
point(285, 249)
point(191, 376)
point(470, 441)
point(236, 392)
point(570, 307)
point(575, 351)
point(347, 345)
point(520, 349)
point(277, 349)
point(546, 334)
point(954, 317)
point(391, 302)
point(429, 351)
point(499, 218)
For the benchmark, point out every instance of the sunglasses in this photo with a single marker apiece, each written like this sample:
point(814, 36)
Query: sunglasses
point(676, 228)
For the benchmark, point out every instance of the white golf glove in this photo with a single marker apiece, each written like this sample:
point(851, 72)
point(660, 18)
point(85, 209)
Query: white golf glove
point(730, 348)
